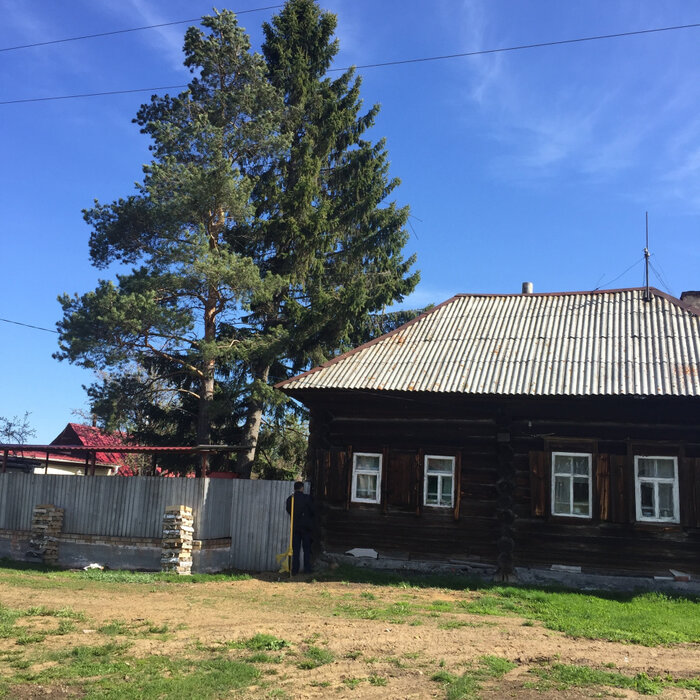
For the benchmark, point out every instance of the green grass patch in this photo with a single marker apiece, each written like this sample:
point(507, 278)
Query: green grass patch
point(644, 618)
point(377, 680)
point(108, 672)
point(136, 628)
point(314, 657)
point(25, 634)
point(456, 624)
point(396, 613)
point(467, 686)
point(261, 642)
point(565, 676)
point(21, 573)
point(648, 618)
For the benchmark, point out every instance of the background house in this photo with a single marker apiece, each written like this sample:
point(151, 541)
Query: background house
point(518, 430)
point(54, 461)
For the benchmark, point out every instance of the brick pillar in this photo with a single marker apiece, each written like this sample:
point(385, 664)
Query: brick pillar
point(47, 524)
point(178, 530)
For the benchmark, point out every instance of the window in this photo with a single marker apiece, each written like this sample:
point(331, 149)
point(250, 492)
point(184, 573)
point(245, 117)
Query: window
point(571, 484)
point(439, 481)
point(366, 477)
point(656, 489)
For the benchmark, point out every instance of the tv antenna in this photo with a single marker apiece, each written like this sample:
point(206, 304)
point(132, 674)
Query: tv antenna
point(647, 296)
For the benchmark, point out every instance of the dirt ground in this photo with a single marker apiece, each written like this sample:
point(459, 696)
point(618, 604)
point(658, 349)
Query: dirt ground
point(306, 612)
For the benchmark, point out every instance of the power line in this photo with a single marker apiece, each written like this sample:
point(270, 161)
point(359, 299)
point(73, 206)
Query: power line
point(28, 325)
point(93, 94)
point(126, 31)
point(425, 59)
point(521, 47)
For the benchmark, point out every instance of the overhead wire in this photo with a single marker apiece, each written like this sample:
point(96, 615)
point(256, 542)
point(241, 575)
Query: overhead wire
point(28, 325)
point(480, 52)
point(126, 31)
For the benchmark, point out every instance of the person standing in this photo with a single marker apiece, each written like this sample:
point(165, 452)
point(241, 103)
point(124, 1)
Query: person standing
point(302, 527)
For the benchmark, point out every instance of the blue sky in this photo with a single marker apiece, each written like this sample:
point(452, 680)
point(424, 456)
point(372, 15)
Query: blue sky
point(532, 165)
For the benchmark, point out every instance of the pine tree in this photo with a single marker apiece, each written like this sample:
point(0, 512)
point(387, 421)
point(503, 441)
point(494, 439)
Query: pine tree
point(325, 230)
point(179, 308)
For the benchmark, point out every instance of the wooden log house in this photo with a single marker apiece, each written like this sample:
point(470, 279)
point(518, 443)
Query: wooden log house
point(522, 430)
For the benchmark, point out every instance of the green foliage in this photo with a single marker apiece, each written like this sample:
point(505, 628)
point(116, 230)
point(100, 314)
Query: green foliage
point(260, 241)
point(282, 445)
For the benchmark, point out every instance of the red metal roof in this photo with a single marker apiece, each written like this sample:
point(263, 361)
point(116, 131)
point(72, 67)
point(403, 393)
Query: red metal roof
point(93, 437)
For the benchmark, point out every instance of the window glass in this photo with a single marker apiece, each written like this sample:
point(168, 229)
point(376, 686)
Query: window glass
point(431, 494)
point(580, 465)
point(665, 469)
point(647, 493)
point(366, 477)
point(439, 481)
point(645, 467)
point(561, 495)
point(367, 462)
point(437, 464)
point(665, 500)
point(571, 484)
point(580, 497)
point(656, 484)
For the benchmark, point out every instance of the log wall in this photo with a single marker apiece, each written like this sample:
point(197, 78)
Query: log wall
point(502, 449)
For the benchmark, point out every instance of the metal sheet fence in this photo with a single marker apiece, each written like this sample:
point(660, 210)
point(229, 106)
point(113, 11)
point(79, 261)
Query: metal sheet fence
point(259, 524)
point(252, 512)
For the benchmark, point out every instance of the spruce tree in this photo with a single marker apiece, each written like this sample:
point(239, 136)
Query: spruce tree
point(326, 230)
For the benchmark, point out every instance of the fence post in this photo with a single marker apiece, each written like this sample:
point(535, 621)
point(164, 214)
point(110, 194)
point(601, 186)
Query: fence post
point(47, 524)
point(178, 529)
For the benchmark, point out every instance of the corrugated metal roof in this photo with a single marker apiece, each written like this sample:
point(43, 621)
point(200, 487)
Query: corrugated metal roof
point(601, 343)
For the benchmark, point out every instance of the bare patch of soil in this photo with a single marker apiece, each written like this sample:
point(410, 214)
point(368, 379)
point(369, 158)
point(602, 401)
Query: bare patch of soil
point(373, 658)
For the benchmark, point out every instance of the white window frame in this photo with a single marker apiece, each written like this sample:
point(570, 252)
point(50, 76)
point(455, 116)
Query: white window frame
point(588, 515)
point(440, 477)
point(355, 471)
point(656, 480)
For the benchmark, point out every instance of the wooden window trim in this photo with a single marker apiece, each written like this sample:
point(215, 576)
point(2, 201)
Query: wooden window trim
point(451, 505)
point(355, 472)
point(589, 456)
point(656, 480)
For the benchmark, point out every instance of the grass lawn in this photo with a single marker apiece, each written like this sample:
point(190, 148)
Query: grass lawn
point(114, 634)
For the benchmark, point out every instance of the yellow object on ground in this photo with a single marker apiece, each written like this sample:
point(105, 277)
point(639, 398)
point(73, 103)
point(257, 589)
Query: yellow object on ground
point(285, 559)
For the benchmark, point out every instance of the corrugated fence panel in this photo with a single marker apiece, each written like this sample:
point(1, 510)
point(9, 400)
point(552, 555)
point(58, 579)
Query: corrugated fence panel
point(259, 524)
point(215, 519)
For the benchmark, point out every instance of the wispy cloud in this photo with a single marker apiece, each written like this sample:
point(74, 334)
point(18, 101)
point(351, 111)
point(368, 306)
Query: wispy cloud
point(165, 40)
point(584, 113)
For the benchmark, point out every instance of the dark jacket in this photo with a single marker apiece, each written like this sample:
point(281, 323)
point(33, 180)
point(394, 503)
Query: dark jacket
point(303, 512)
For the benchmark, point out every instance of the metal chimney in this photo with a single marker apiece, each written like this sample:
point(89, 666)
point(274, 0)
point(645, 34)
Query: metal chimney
point(527, 287)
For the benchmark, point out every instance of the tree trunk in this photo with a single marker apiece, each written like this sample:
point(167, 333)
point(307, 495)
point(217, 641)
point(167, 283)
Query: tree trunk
point(251, 429)
point(206, 393)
